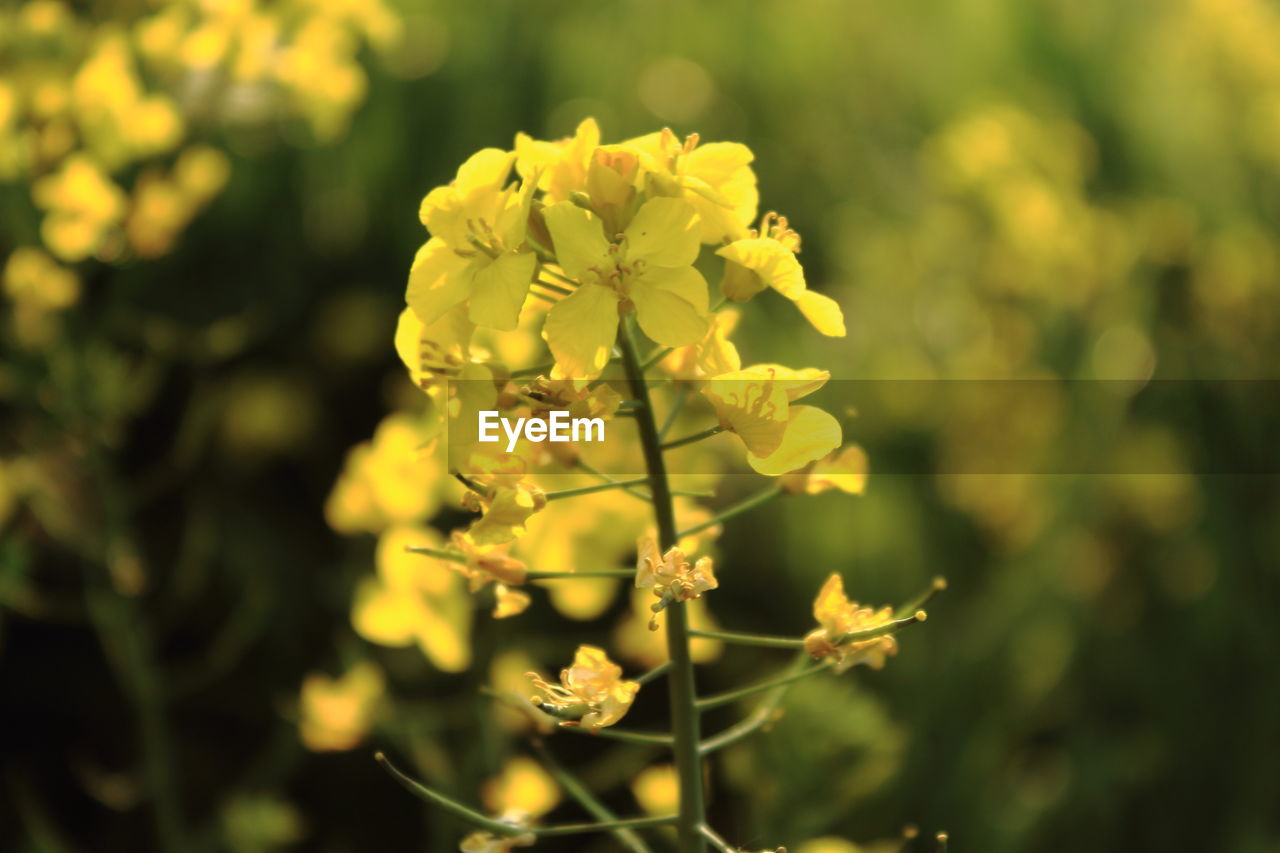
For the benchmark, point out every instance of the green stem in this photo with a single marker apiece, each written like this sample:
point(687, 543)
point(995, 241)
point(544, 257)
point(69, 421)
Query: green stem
point(598, 487)
point(760, 718)
point(743, 692)
point(716, 841)
point(555, 288)
point(690, 439)
point(741, 639)
point(624, 735)
point(684, 714)
point(582, 794)
point(656, 356)
point(674, 412)
point(448, 804)
point(604, 826)
point(938, 584)
point(657, 672)
point(739, 508)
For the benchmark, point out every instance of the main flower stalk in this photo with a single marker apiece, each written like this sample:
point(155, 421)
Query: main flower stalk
point(680, 677)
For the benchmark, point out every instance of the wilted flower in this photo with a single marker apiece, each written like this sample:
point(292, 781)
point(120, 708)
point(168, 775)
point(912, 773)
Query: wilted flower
point(670, 575)
point(840, 620)
point(591, 692)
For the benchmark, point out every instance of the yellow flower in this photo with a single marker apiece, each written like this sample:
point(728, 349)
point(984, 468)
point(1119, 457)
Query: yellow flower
point(767, 258)
point(591, 692)
point(490, 564)
point(83, 206)
point(713, 355)
point(846, 470)
point(560, 167)
point(389, 480)
point(437, 352)
point(715, 178)
point(755, 404)
point(34, 280)
point(657, 790)
point(523, 786)
point(648, 269)
point(838, 618)
point(337, 713)
point(414, 600)
point(478, 253)
point(486, 842)
point(506, 500)
point(670, 576)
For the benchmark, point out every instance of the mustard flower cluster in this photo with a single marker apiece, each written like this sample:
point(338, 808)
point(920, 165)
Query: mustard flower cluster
point(100, 112)
point(569, 276)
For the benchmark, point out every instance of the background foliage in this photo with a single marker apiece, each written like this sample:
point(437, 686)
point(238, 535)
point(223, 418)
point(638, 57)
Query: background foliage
point(992, 190)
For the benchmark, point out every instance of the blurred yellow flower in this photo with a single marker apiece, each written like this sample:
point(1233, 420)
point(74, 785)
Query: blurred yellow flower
point(591, 692)
point(336, 713)
point(415, 600)
point(657, 789)
point(34, 280)
point(393, 479)
point(845, 470)
point(82, 207)
point(522, 786)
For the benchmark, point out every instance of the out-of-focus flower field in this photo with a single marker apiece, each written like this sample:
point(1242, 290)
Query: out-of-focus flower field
point(209, 213)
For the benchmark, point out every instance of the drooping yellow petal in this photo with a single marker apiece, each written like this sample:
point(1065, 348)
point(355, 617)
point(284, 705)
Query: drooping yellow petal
point(664, 233)
point(579, 239)
point(811, 434)
point(499, 290)
point(437, 281)
point(774, 263)
point(580, 331)
point(822, 312)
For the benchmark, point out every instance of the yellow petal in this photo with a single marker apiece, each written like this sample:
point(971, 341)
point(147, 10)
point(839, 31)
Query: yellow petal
point(667, 318)
point(580, 331)
point(773, 262)
point(437, 281)
point(382, 615)
point(811, 434)
point(822, 312)
point(830, 601)
point(664, 233)
point(499, 290)
point(579, 239)
point(685, 282)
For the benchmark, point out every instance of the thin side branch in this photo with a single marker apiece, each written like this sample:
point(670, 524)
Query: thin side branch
point(450, 805)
